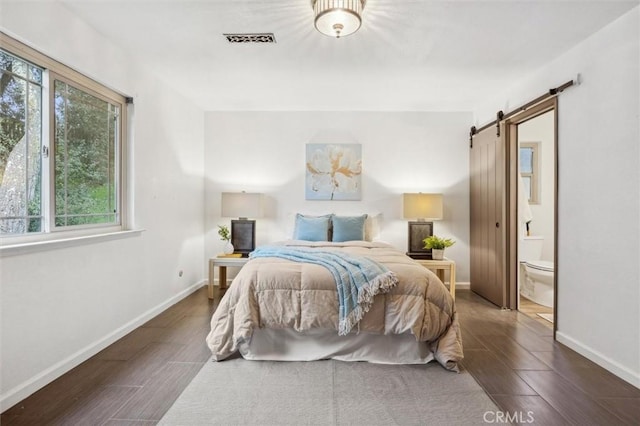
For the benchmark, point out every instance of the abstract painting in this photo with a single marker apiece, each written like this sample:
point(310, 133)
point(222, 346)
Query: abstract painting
point(333, 172)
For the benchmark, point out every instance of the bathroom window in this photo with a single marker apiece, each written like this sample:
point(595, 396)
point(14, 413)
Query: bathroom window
point(530, 170)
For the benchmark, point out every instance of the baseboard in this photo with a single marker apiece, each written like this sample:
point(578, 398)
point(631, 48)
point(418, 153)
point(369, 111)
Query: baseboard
point(605, 362)
point(463, 285)
point(23, 390)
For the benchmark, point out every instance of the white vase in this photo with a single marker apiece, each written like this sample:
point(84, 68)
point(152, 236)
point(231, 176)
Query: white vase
point(437, 254)
point(228, 248)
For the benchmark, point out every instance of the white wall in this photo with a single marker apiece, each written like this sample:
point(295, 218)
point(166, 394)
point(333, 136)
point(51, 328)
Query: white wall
point(401, 152)
point(541, 130)
point(60, 306)
point(599, 192)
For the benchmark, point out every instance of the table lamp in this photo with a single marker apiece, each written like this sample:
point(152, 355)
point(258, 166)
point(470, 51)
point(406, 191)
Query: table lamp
point(423, 208)
point(242, 205)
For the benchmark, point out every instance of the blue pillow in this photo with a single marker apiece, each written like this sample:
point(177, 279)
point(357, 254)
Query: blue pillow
point(312, 228)
point(348, 228)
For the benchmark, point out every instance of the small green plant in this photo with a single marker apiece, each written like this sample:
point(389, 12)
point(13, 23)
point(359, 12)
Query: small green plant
point(435, 242)
point(223, 231)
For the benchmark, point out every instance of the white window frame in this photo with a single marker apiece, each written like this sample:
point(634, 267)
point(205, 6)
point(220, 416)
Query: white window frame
point(51, 233)
point(534, 176)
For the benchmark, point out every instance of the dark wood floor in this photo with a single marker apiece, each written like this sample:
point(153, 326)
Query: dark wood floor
point(512, 356)
point(132, 382)
point(517, 362)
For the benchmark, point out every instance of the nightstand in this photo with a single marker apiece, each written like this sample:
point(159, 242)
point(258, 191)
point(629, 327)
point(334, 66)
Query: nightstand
point(222, 263)
point(439, 266)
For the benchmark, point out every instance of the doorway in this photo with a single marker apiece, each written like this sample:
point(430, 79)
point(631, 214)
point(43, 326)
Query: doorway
point(536, 217)
point(532, 141)
point(495, 176)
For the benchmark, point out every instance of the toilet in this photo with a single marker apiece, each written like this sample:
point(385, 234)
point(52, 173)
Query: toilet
point(536, 276)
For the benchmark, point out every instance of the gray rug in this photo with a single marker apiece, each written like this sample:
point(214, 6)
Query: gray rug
point(240, 392)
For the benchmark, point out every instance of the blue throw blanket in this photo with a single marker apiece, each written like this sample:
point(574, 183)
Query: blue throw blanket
point(358, 279)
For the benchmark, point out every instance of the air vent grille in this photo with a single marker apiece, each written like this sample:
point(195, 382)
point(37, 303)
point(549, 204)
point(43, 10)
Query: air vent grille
point(251, 38)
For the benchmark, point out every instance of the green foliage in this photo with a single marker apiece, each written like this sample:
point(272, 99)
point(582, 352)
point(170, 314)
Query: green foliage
point(435, 242)
point(85, 175)
point(84, 163)
point(12, 115)
point(223, 231)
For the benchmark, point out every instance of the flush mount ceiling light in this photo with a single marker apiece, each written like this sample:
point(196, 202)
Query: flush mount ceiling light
point(338, 18)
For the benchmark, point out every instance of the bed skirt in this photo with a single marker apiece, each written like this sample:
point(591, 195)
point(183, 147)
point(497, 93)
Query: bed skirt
point(290, 345)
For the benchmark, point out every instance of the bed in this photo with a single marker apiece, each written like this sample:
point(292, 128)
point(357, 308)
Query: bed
point(280, 309)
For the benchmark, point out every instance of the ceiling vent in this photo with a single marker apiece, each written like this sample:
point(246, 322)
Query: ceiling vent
point(251, 38)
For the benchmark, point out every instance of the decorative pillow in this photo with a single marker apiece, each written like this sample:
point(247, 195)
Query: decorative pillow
point(348, 228)
point(372, 226)
point(312, 228)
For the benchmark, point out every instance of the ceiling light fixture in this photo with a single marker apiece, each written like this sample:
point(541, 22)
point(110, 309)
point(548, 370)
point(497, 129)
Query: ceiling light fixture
point(338, 18)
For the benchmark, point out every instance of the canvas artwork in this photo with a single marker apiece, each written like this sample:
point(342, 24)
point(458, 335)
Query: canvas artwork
point(333, 172)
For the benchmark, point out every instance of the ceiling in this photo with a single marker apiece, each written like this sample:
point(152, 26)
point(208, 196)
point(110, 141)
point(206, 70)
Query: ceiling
point(409, 55)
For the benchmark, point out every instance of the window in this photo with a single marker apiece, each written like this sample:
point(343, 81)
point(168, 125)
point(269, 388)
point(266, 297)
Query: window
point(529, 170)
point(61, 148)
point(20, 146)
point(85, 144)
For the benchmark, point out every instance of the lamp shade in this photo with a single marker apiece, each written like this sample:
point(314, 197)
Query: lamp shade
point(422, 206)
point(241, 204)
point(338, 18)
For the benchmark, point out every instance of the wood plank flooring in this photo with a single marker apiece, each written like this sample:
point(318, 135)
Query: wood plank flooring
point(517, 362)
point(532, 310)
point(132, 382)
point(512, 356)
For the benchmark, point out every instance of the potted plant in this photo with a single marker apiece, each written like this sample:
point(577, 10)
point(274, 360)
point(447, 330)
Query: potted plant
point(437, 245)
point(223, 231)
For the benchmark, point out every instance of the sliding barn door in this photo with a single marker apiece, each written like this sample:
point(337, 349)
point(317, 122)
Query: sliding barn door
point(488, 236)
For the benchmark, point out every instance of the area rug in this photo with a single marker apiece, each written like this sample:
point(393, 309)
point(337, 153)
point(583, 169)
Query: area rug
point(548, 317)
point(240, 392)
